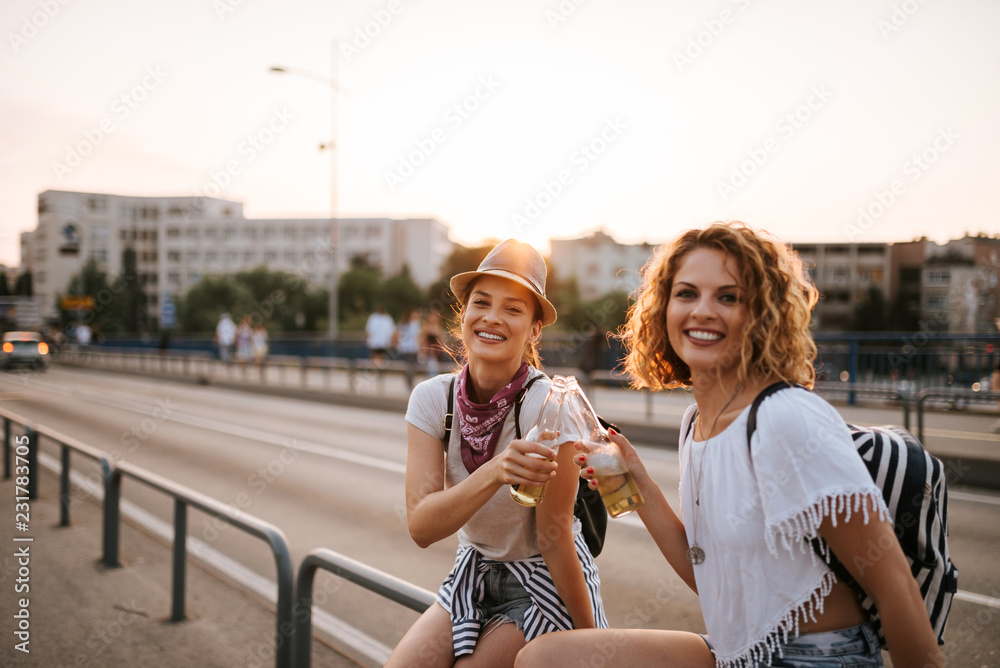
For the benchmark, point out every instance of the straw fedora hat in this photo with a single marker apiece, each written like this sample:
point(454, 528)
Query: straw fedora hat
point(516, 261)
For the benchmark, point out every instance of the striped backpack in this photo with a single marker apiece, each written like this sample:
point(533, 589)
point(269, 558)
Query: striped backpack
point(914, 488)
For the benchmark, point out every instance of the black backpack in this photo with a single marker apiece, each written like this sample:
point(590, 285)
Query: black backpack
point(589, 507)
point(915, 491)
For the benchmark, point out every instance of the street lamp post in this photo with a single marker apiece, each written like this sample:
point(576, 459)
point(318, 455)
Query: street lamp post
point(333, 148)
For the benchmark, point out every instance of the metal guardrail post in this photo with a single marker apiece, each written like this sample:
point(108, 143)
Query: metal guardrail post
point(383, 584)
point(32, 462)
point(112, 520)
point(905, 396)
point(180, 559)
point(920, 416)
point(64, 485)
point(852, 369)
point(6, 448)
point(304, 369)
point(352, 367)
point(283, 618)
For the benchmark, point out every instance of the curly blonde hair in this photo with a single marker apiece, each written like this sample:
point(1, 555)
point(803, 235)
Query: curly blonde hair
point(779, 299)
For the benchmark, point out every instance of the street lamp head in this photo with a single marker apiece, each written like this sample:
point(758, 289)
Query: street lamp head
point(277, 68)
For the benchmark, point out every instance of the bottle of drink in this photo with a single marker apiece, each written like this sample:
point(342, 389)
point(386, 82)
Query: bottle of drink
point(547, 432)
point(614, 481)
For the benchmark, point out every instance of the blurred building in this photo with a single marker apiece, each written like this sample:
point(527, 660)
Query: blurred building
point(845, 274)
point(951, 287)
point(177, 240)
point(598, 263)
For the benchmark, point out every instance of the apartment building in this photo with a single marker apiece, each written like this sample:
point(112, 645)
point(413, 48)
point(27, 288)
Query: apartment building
point(946, 287)
point(177, 240)
point(599, 263)
point(844, 274)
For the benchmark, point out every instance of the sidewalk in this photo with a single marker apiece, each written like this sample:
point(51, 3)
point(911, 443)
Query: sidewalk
point(82, 613)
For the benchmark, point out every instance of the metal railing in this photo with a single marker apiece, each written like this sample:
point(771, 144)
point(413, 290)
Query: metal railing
point(388, 586)
point(202, 365)
point(112, 473)
point(952, 394)
point(852, 390)
point(300, 628)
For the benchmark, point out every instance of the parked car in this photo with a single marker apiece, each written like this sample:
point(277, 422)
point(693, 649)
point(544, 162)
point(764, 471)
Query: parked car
point(24, 349)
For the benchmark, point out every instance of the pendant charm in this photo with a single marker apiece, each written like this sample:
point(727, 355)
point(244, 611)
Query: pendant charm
point(695, 554)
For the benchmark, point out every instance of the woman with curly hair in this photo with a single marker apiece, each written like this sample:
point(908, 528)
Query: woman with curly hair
point(725, 311)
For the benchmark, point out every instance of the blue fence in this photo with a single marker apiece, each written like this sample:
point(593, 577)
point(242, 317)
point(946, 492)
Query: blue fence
point(912, 360)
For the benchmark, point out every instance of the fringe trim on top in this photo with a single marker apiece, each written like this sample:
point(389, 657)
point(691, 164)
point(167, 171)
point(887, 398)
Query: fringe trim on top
point(760, 653)
point(802, 526)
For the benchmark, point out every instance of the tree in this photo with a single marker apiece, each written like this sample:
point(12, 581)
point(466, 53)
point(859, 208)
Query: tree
point(460, 260)
point(870, 314)
point(200, 308)
point(357, 292)
point(25, 286)
point(400, 293)
point(134, 312)
point(109, 310)
point(279, 300)
point(4, 286)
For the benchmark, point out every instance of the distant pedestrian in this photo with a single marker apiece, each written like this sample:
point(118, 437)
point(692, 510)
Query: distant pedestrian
point(433, 341)
point(259, 345)
point(225, 337)
point(83, 334)
point(408, 342)
point(244, 346)
point(379, 331)
point(995, 387)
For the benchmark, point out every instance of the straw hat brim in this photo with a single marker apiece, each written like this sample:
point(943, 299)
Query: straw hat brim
point(460, 286)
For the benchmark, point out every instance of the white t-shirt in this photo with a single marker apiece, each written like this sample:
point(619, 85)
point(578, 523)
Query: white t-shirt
point(379, 330)
point(225, 332)
point(503, 529)
point(408, 337)
point(756, 513)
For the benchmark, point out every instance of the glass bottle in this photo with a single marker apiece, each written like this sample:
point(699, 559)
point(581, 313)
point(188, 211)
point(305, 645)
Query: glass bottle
point(547, 432)
point(614, 481)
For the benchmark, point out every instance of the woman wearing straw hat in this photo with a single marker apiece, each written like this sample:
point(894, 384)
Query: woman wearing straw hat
point(520, 571)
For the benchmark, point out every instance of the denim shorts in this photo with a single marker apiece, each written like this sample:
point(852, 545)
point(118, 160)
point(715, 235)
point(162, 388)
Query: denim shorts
point(504, 599)
point(853, 646)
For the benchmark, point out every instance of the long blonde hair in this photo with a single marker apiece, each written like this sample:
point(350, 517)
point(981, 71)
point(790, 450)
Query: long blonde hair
point(779, 299)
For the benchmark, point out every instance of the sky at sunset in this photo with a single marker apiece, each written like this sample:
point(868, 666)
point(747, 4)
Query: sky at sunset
point(861, 120)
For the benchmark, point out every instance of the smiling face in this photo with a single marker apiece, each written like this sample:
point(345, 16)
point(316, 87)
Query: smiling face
point(498, 320)
point(706, 313)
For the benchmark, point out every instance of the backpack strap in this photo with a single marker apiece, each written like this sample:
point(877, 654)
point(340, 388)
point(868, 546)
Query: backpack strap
point(449, 415)
point(758, 400)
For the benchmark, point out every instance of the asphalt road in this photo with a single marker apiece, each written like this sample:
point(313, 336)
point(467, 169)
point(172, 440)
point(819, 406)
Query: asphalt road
point(332, 476)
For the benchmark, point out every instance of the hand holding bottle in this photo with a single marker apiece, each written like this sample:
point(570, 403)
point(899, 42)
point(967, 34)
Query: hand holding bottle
point(615, 482)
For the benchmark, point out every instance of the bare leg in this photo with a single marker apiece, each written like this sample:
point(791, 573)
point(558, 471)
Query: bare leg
point(497, 649)
point(621, 648)
point(427, 644)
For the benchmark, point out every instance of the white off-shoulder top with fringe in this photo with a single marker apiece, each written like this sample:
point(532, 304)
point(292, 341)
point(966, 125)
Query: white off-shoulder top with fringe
point(759, 505)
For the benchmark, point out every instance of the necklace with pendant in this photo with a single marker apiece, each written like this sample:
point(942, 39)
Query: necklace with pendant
point(695, 554)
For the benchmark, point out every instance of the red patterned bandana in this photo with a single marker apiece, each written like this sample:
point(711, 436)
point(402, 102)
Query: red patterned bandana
point(481, 424)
